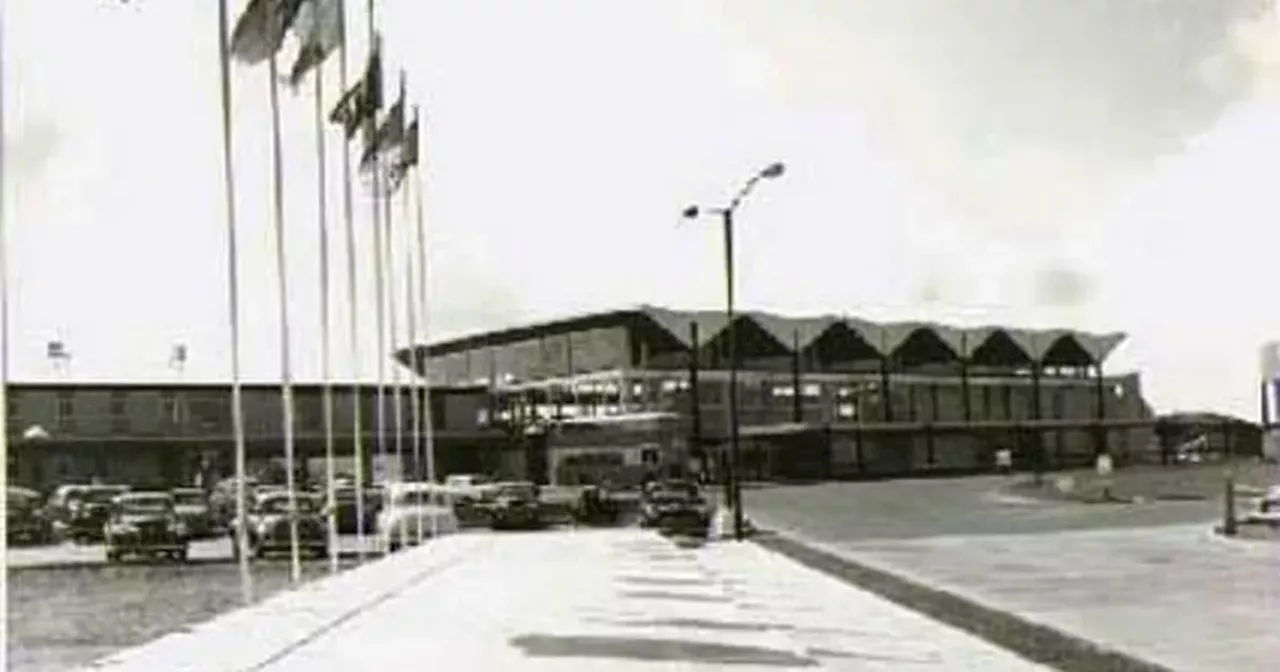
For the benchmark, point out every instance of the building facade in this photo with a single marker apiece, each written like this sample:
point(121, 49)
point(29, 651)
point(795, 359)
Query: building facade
point(167, 433)
point(889, 398)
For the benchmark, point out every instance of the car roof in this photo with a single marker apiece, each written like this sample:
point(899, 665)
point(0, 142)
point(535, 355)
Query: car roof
point(126, 496)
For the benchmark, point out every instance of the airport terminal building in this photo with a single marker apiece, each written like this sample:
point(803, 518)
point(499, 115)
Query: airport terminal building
point(818, 397)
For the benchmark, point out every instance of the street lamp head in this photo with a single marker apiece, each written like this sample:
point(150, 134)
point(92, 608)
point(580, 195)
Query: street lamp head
point(773, 170)
point(691, 212)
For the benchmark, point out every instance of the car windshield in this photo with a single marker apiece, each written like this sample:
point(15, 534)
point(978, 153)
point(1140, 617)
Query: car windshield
point(280, 504)
point(193, 498)
point(516, 491)
point(100, 496)
point(145, 505)
point(668, 495)
point(418, 498)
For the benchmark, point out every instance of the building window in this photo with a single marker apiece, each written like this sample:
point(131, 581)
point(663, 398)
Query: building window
point(119, 409)
point(14, 408)
point(119, 405)
point(65, 409)
point(649, 456)
point(169, 407)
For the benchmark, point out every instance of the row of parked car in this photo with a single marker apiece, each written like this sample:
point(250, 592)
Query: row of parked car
point(80, 512)
point(163, 523)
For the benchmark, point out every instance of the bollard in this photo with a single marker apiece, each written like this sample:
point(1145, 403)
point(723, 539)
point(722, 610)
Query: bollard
point(1229, 507)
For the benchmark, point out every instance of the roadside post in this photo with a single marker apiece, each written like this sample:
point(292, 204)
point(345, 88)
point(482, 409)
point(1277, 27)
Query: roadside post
point(1104, 468)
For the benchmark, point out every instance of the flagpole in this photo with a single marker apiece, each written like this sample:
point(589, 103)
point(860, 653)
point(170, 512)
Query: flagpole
point(282, 284)
point(233, 301)
point(322, 222)
point(389, 253)
point(4, 320)
point(428, 435)
point(379, 280)
point(415, 403)
point(353, 317)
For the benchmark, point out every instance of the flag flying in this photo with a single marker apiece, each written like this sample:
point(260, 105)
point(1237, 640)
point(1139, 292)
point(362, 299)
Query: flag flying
point(319, 27)
point(390, 135)
point(408, 154)
point(261, 29)
point(359, 106)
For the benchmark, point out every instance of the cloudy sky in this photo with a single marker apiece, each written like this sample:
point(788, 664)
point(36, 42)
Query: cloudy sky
point(1084, 163)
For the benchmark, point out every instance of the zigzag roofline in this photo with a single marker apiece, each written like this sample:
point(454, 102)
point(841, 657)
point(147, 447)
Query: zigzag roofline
point(887, 339)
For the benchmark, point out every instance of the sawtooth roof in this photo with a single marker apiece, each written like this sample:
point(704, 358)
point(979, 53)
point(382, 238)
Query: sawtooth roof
point(1065, 347)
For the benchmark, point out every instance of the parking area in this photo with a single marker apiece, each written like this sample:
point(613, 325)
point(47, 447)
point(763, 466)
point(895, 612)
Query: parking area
point(1149, 579)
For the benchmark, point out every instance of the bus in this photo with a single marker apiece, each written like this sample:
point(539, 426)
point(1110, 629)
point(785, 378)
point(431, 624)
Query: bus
point(622, 450)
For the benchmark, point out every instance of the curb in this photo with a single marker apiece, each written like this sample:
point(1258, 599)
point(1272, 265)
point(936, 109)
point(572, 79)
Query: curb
point(1033, 641)
point(347, 556)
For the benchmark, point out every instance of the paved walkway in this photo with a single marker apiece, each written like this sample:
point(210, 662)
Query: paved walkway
point(1174, 595)
point(610, 599)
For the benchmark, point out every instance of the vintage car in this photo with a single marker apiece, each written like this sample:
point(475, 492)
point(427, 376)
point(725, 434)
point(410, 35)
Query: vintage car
point(80, 511)
point(676, 507)
point(347, 512)
point(1266, 508)
point(514, 505)
point(145, 524)
point(194, 511)
point(467, 492)
point(597, 506)
point(26, 522)
point(222, 501)
point(413, 511)
point(269, 519)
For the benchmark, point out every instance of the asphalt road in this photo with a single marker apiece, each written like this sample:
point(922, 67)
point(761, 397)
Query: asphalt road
point(907, 509)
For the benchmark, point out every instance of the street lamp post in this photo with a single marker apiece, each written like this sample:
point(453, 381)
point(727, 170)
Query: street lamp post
point(733, 486)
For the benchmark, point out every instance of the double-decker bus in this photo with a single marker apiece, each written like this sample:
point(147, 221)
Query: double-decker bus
point(620, 449)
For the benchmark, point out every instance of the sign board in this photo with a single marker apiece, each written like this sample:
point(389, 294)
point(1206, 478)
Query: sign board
point(1104, 466)
point(386, 469)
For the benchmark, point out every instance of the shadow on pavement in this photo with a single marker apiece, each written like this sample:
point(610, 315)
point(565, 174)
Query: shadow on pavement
point(1030, 640)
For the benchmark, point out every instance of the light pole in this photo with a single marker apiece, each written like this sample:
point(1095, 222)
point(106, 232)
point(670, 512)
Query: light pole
point(733, 484)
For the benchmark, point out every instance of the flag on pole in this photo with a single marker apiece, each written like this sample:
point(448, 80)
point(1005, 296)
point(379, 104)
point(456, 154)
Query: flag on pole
point(261, 29)
point(359, 106)
point(319, 28)
point(390, 135)
point(408, 153)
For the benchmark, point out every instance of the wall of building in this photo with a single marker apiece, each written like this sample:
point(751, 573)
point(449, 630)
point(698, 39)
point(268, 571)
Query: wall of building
point(197, 412)
point(141, 434)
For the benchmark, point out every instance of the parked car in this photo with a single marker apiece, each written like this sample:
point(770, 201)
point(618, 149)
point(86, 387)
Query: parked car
point(268, 524)
point(80, 511)
point(222, 500)
point(145, 524)
point(675, 507)
point(514, 505)
point(26, 522)
point(414, 507)
point(192, 505)
point(597, 506)
point(346, 509)
point(467, 492)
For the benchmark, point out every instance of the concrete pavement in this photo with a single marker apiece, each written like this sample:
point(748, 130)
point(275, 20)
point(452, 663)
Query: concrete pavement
point(567, 600)
point(1173, 595)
